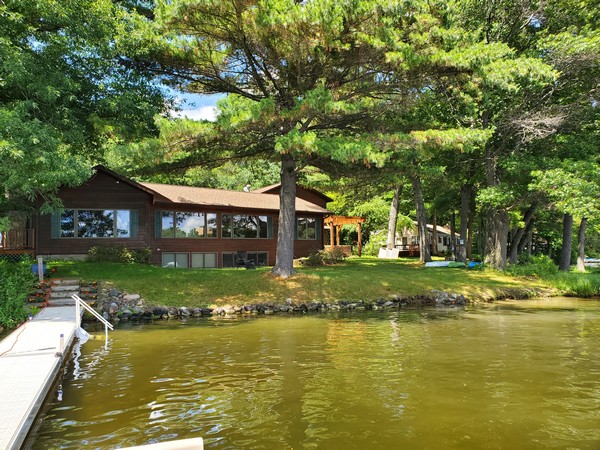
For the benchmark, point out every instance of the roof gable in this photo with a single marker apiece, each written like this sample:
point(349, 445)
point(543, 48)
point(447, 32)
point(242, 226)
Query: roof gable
point(274, 189)
point(121, 178)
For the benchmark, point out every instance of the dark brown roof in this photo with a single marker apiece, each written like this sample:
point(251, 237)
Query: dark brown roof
point(232, 199)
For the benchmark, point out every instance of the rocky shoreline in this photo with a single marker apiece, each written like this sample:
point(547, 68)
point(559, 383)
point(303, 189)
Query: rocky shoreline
point(116, 305)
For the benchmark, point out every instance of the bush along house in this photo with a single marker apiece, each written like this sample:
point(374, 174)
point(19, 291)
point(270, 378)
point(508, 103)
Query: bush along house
point(184, 227)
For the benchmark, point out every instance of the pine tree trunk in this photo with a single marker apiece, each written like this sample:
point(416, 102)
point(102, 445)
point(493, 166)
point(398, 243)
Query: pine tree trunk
point(470, 229)
point(425, 254)
point(453, 236)
point(497, 238)
point(465, 204)
point(393, 220)
point(497, 219)
point(564, 263)
point(434, 237)
point(581, 245)
point(284, 255)
point(519, 234)
point(527, 240)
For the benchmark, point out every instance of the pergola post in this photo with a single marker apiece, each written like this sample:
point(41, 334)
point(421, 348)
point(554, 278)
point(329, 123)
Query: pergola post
point(359, 240)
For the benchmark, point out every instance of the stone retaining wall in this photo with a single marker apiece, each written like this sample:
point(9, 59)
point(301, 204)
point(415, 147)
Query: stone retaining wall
point(116, 305)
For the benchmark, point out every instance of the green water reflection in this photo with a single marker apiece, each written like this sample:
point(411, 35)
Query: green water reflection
point(513, 375)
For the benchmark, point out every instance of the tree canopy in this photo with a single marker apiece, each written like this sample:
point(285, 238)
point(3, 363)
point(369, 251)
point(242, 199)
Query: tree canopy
point(67, 88)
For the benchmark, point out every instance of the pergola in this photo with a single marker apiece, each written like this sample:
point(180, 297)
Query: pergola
point(335, 223)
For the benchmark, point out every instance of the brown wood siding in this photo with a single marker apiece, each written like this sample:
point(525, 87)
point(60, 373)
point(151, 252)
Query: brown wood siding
point(221, 245)
point(311, 197)
point(100, 192)
point(103, 191)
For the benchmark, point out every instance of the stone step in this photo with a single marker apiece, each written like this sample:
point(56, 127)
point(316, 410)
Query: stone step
point(61, 302)
point(66, 288)
point(62, 294)
point(65, 282)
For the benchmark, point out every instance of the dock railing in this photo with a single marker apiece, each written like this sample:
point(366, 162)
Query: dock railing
point(79, 303)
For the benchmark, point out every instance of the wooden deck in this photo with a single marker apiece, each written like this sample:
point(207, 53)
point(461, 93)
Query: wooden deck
point(14, 243)
point(408, 250)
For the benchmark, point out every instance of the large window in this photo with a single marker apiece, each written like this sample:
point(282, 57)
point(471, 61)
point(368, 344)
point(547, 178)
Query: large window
point(181, 260)
point(177, 224)
point(308, 228)
point(95, 223)
point(246, 226)
point(204, 260)
point(237, 259)
point(175, 260)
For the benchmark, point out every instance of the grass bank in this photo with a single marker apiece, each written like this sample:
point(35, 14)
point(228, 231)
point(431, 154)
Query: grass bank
point(355, 279)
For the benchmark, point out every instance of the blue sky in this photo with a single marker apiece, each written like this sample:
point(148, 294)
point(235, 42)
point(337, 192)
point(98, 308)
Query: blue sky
point(197, 106)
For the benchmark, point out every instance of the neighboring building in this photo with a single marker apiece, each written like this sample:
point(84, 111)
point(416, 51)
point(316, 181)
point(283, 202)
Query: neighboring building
point(408, 240)
point(183, 226)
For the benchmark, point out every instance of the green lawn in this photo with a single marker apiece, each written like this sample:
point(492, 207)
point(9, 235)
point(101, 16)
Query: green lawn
point(355, 279)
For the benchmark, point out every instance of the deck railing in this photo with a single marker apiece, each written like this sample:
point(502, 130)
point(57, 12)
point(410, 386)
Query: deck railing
point(410, 248)
point(22, 239)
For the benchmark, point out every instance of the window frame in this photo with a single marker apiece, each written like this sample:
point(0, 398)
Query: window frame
point(234, 256)
point(175, 254)
point(228, 228)
point(191, 260)
point(208, 218)
point(57, 230)
point(302, 228)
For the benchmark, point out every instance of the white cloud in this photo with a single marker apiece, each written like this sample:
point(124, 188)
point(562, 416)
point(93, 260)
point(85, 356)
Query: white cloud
point(201, 113)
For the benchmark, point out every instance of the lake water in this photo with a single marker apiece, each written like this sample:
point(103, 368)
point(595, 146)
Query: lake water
point(511, 375)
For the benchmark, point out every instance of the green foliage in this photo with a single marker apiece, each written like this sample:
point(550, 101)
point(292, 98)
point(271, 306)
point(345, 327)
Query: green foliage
point(315, 259)
point(573, 187)
point(538, 266)
point(119, 253)
point(376, 211)
point(324, 257)
point(16, 282)
point(376, 241)
point(578, 284)
point(67, 88)
point(333, 255)
point(495, 196)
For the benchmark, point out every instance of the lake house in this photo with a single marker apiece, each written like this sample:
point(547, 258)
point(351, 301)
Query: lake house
point(183, 226)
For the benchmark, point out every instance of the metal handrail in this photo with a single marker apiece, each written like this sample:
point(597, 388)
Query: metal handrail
point(78, 304)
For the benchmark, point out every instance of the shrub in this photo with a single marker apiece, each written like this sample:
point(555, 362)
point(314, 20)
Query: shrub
point(536, 266)
point(313, 260)
point(119, 253)
point(376, 241)
point(333, 256)
point(16, 282)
